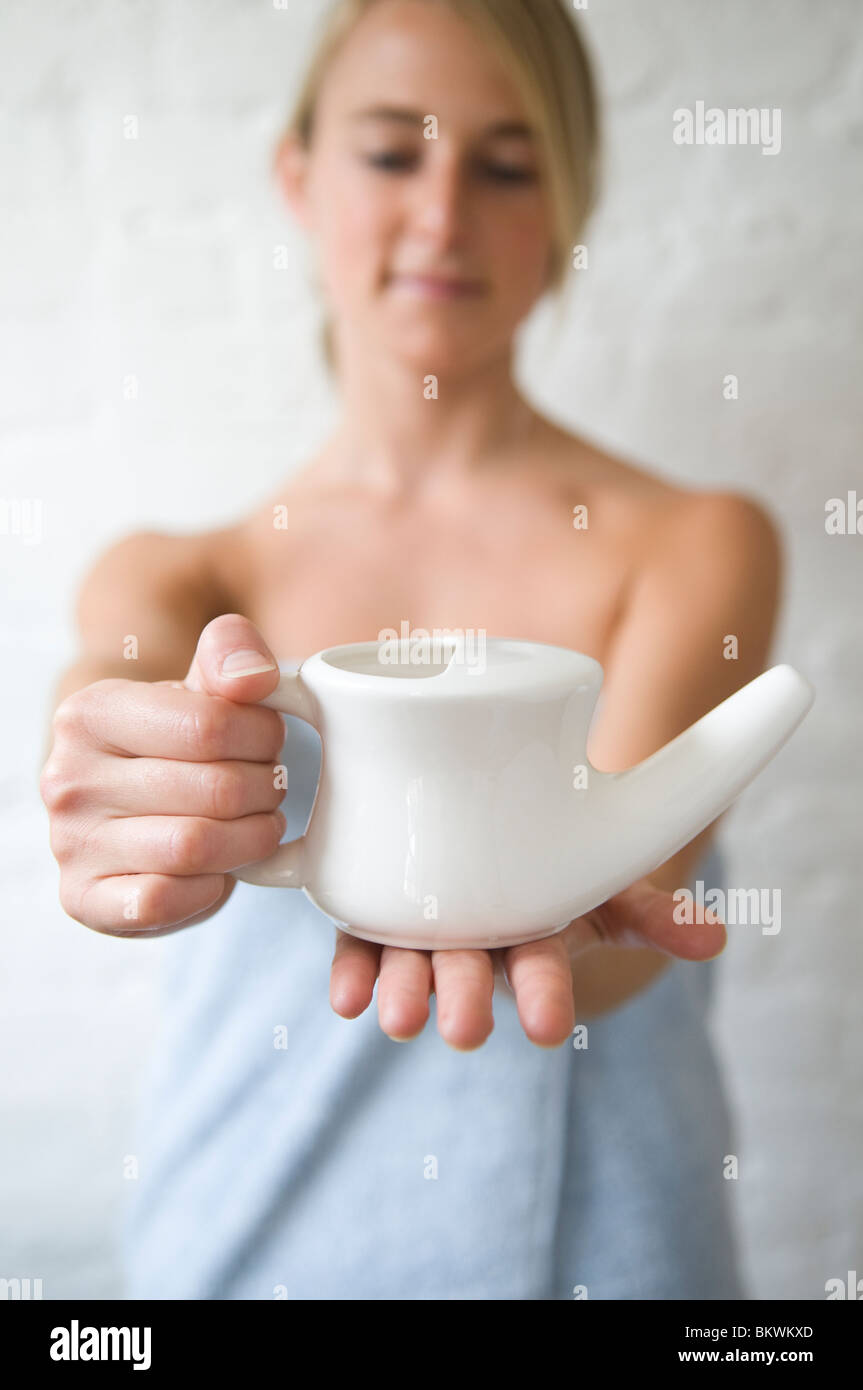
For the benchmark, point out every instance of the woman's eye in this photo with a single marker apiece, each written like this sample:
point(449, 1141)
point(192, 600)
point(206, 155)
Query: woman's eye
point(509, 173)
point(397, 161)
point(390, 160)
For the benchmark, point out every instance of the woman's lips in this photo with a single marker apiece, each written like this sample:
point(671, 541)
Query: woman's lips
point(436, 286)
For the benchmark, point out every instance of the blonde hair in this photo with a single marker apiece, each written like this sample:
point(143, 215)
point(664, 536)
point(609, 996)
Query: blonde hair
point(541, 48)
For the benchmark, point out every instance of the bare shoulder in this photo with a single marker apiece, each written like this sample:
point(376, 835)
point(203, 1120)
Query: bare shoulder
point(166, 560)
point(151, 565)
point(673, 520)
point(623, 503)
point(723, 529)
point(154, 587)
point(211, 571)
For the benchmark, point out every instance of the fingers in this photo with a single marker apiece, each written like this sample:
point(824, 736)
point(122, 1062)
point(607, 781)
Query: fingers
point(464, 988)
point(403, 992)
point(157, 791)
point(353, 974)
point(232, 659)
point(463, 982)
point(404, 987)
point(141, 904)
point(159, 720)
point(644, 915)
point(169, 787)
point(541, 979)
point(181, 845)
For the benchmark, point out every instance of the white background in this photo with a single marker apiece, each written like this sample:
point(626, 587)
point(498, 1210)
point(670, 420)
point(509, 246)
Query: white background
point(154, 258)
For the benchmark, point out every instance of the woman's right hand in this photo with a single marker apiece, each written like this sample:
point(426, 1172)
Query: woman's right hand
point(157, 790)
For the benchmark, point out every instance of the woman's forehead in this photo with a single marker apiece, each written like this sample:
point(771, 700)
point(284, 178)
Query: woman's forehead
point(406, 55)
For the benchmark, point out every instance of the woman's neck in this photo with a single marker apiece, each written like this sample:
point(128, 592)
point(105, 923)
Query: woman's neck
point(403, 431)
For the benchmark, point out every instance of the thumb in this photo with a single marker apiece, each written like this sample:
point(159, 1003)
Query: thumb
point(232, 659)
point(645, 915)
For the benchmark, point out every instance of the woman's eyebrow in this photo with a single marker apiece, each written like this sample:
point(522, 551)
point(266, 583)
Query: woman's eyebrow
point(405, 116)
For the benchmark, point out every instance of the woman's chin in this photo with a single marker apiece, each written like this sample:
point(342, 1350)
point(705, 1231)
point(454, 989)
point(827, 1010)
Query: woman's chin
point(436, 354)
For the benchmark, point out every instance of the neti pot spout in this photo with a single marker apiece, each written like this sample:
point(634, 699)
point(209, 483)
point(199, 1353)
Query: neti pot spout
point(652, 810)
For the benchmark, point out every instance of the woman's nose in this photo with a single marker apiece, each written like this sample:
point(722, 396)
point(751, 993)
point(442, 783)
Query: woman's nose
point(440, 208)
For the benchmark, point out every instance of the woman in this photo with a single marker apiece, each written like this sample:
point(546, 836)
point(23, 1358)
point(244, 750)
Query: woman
point(442, 159)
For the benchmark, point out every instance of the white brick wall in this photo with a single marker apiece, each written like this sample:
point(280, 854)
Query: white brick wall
point(153, 258)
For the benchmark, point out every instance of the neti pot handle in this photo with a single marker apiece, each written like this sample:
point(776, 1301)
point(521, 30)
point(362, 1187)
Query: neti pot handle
point(284, 868)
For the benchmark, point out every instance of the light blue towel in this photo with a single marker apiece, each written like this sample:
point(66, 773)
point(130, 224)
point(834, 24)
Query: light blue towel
point(348, 1166)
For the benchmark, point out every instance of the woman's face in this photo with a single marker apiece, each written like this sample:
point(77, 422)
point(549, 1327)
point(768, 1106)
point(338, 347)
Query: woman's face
point(432, 249)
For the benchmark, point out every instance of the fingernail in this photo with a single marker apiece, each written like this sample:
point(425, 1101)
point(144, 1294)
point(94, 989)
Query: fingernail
point(245, 662)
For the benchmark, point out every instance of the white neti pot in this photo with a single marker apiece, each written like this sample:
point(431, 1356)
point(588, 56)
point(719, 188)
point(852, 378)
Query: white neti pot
point(456, 806)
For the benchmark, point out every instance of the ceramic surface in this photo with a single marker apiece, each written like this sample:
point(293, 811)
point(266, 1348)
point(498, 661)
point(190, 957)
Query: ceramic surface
point(456, 806)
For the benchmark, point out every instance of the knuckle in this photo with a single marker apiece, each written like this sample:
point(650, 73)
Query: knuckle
point(137, 907)
point(63, 793)
point(53, 784)
point(278, 733)
point(205, 729)
point(224, 790)
point(271, 834)
point(73, 896)
point(190, 844)
point(260, 840)
point(69, 711)
point(64, 840)
point(154, 904)
point(75, 712)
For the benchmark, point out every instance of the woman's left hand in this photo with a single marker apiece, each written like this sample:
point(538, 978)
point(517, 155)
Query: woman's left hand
point(539, 973)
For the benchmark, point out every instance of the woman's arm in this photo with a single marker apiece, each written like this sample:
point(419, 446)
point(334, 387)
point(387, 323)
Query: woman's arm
point(698, 627)
point(148, 586)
